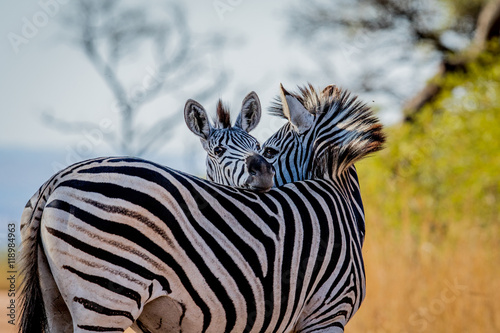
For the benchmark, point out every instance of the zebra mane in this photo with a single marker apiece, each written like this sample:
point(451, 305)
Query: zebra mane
point(313, 102)
point(223, 117)
point(363, 131)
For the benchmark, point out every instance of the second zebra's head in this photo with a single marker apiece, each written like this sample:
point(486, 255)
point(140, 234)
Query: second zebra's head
point(232, 153)
point(325, 134)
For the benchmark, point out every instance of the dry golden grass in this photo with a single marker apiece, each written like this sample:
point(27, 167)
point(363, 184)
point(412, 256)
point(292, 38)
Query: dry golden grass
point(429, 285)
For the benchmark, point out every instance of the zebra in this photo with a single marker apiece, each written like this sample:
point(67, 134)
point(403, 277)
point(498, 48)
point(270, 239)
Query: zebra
point(325, 134)
point(228, 146)
point(232, 159)
point(324, 142)
point(199, 256)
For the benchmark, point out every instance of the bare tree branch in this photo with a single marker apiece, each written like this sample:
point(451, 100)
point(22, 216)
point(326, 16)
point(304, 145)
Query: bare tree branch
point(422, 23)
point(153, 135)
point(109, 32)
point(66, 126)
point(488, 27)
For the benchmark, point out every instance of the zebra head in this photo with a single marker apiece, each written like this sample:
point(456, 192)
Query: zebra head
point(232, 153)
point(325, 134)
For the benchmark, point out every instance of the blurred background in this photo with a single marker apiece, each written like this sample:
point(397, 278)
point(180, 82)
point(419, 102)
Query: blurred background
point(88, 78)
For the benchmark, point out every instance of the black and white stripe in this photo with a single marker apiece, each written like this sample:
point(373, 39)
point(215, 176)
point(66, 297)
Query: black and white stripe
point(119, 233)
point(325, 134)
point(129, 242)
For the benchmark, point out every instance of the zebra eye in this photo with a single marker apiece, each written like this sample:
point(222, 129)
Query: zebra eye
point(257, 145)
point(218, 151)
point(269, 152)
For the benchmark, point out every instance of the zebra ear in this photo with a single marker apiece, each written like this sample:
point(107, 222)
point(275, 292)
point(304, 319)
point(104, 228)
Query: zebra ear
point(249, 116)
point(196, 119)
point(295, 112)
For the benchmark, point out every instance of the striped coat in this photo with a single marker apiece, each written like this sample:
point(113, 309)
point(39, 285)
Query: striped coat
point(225, 260)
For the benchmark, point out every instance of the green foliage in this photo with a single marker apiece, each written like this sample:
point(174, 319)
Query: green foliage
point(443, 169)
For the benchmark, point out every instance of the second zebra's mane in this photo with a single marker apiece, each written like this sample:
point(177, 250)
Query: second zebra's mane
point(346, 130)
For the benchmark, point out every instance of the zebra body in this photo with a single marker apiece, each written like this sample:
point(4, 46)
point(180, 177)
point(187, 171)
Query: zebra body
point(129, 242)
point(119, 233)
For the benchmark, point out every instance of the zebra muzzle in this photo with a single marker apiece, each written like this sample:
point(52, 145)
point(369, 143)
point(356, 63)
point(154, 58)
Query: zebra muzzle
point(261, 174)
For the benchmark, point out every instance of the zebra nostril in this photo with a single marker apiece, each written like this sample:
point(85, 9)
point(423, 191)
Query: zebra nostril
point(252, 173)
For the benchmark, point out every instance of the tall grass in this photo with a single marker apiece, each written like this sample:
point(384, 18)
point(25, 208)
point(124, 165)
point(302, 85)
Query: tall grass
point(419, 285)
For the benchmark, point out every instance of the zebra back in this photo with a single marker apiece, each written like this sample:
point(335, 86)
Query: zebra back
point(120, 233)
